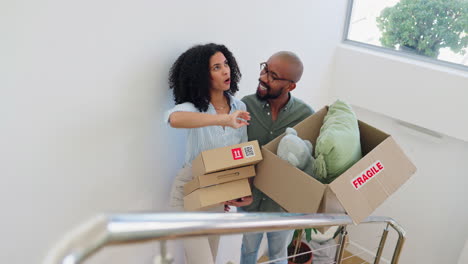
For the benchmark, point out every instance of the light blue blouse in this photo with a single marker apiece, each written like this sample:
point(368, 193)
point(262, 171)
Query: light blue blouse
point(210, 137)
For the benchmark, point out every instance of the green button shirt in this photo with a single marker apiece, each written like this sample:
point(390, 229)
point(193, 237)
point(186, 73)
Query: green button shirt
point(264, 129)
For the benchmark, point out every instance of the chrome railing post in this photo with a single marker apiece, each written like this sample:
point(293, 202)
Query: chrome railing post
point(400, 242)
point(341, 248)
point(378, 255)
point(163, 258)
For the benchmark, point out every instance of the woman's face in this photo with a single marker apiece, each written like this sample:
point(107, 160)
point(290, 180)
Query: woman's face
point(220, 72)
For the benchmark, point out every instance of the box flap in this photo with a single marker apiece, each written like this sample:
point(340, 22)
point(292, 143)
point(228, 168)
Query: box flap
point(363, 187)
point(198, 167)
point(370, 137)
point(308, 129)
point(301, 195)
point(191, 186)
point(212, 196)
point(329, 205)
point(227, 175)
point(219, 177)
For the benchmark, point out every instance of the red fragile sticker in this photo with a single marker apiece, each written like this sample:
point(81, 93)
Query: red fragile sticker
point(367, 175)
point(237, 153)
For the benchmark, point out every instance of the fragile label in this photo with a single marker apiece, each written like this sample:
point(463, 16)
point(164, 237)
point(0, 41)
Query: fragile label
point(367, 175)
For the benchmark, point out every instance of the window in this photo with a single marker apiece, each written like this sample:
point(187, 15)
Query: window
point(436, 29)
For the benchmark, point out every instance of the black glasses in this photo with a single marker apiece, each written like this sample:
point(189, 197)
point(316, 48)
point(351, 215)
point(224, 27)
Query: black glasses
point(271, 75)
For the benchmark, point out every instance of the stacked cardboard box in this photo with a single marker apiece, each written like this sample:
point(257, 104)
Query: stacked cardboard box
point(221, 175)
point(358, 191)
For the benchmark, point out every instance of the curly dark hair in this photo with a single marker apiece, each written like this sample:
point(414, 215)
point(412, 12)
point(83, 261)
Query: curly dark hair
point(189, 76)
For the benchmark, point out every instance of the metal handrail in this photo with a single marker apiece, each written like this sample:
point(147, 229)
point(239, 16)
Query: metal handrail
point(104, 230)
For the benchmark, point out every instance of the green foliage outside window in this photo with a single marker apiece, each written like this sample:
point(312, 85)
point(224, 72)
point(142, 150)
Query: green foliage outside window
point(425, 26)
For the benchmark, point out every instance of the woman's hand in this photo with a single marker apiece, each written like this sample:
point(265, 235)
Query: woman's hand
point(244, 201)
point(238, 119)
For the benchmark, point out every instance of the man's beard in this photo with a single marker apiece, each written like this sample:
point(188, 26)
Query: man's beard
point(269, 95)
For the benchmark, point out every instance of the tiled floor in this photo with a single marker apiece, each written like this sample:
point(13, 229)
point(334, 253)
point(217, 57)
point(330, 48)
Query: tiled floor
point(352, 260)
point(262, 259)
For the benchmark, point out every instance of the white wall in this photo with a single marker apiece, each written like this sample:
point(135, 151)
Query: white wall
point(84, 85)
point(421, 93)
point(431, 206)
point(464, 255)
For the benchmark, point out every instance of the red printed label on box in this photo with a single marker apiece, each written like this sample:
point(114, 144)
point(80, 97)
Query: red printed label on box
point(237, 153)
point(367, 175)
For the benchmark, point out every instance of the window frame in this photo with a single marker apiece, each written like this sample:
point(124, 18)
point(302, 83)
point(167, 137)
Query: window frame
point(395, 52)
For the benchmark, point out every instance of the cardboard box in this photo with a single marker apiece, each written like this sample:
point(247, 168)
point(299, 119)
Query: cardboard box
point(219, 159)
point(219, 177)
point(352, 193)
point(204, 198)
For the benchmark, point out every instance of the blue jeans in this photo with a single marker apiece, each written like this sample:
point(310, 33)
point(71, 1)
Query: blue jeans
point(277, 246)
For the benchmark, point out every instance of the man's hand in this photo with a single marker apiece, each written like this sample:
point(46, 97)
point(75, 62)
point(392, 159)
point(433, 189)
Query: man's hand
point(244, 201)
point(238, 119)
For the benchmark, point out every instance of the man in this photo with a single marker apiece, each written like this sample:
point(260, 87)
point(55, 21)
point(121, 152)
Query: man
point(272, 110)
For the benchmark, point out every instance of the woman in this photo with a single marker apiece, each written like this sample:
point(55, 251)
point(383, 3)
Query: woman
point(204, 80)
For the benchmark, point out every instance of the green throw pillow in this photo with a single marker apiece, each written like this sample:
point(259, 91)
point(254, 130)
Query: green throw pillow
point(338, 146)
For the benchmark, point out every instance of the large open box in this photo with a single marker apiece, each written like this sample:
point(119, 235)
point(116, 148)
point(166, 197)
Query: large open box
point(358, 191)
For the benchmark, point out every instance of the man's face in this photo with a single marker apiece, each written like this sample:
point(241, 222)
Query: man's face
point(273, 81)
point(266, 92)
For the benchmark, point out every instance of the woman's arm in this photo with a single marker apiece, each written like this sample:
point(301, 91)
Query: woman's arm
point(244, 201)
point(194, 120)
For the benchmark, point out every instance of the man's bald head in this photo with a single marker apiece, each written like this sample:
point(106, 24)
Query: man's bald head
point(293, 65)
